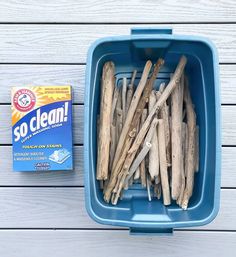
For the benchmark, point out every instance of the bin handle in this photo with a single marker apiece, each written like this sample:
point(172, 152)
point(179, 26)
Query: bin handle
point(152, 231)
point(151, 31)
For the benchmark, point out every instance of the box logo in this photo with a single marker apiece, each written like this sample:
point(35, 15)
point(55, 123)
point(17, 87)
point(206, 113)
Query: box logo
point(24, 100)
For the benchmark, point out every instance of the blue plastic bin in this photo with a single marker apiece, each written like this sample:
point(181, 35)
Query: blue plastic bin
point(129, 53)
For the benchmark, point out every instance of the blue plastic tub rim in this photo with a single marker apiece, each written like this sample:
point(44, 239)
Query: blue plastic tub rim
point(153, 33)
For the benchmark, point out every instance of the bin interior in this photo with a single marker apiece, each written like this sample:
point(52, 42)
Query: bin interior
point(135, 209)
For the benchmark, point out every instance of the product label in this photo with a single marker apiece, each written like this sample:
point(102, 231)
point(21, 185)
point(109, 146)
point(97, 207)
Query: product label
point(42, 128)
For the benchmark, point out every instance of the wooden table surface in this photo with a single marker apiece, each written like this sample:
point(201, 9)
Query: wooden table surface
point(45, 42)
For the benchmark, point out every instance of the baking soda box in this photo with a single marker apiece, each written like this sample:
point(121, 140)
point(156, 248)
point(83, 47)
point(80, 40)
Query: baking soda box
point(42, 128)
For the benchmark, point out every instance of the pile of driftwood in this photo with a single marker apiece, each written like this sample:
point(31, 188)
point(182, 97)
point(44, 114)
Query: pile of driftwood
point(147, 136)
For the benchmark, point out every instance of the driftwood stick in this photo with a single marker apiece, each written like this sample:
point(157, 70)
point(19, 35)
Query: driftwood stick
point(184, 114)
point(101, 182)
point(113, 145)
point(176, 133)
point(118, 115)
point(154, 151)
point(108, 84)
point(148, 183)
point(163, 163)
point(114, 103)
point(191, 123)
point(186, 151)
point(140, 157)
point(162, 87)
point(164, 114)
point(196, 151)
point(130, 114)
point(119, 121)
point(133, 78)
point(124, 91)
point(142, 164)
point(137, 172)
point(130, 158)
point(130, 91)
point(180, 198)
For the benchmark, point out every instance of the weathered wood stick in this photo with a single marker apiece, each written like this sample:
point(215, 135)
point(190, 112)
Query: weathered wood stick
point(154, 151)
point(107, 88)
point(130, 114)
point(186, 151)
point(101, 182)
point(176, 134)
point(148, 183)
point(162, 87)
point(146, 147)
point(164, 114)
point(118, 116)
point(114, 103)
point(124, 91)
point(113, 145)
point(163, 163)
point(130, 91)
point(191, 123)
point(119, 121)
point(142, 164)
point(196, 151)
point(180, 198)
point(184, 114)
point(137, 172)
point(130, 158)
point(133, 78)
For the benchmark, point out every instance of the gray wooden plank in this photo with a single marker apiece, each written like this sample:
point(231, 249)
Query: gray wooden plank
point(228, 124)
point(227, 81)
point(75, 178)
point(18, 75)
point(64, 207)
point(5, 129)
point(74, 243)
point(118, 11)
point(69, 43)
point(35, 75)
